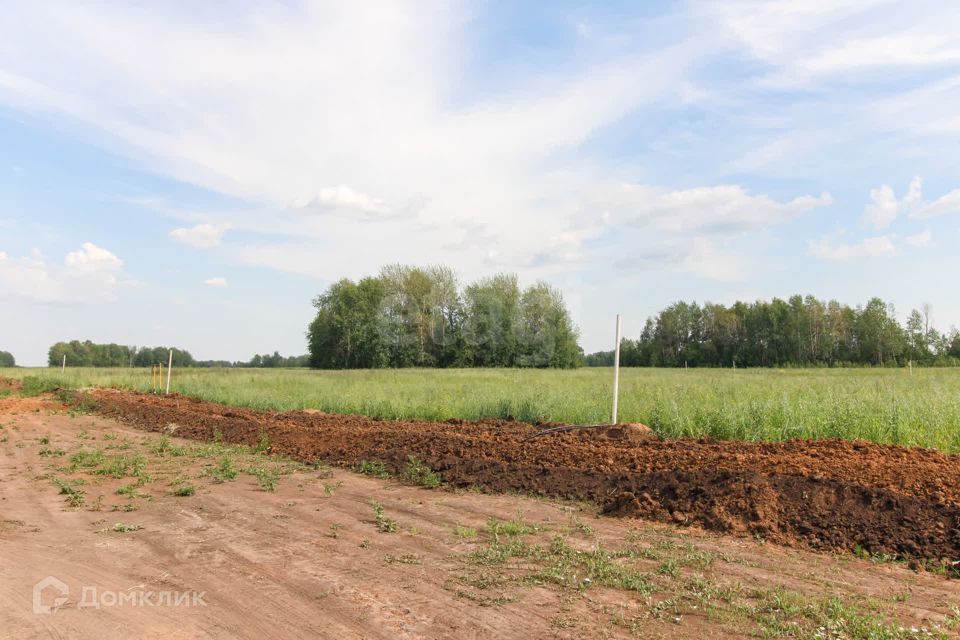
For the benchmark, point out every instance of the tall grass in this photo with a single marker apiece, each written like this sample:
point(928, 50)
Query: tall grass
point(881, 405)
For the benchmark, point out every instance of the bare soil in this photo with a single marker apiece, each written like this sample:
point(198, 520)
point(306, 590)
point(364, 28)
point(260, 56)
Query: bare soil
point(10, 384)
point(309, 559)
point(828, 494)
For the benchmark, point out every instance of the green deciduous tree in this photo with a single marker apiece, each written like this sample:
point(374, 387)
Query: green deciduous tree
point(349, 330)
point(800, 331)
point(419, 317)
point(89, 354)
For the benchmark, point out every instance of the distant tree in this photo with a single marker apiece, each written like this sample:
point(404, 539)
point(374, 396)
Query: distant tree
point(347, 331)
point(917, 336)
point(954, 348)
point(406, 315)
point(418, 317)
point(273, 361)
point(602, 359)
point(547, 337)
point(7, 359)
point(89, 354)
point(801, 331)
point(445, 316)
point(221, 364)
point(492, 322)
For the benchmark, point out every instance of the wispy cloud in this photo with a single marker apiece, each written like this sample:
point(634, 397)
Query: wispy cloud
point(921, 239)
point(819, 39)
point(723, 209)
point(949, 203)
point(260, 112)
point(873, 247)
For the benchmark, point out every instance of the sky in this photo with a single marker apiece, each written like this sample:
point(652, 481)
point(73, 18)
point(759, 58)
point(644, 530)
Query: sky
point(174, 173)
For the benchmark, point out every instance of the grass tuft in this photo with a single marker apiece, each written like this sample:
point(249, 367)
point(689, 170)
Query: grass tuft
point(374, 468)
point(384, 524)
point(184, 491)
point(419, 473)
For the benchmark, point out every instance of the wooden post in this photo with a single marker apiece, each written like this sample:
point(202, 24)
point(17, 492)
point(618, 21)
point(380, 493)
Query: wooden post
point(616, 373)
point(63, 367)
point(169, 369)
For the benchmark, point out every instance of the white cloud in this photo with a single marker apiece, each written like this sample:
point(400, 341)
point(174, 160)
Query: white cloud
point(885, 207)
point(344, 199)
point(87, 275)
point(881, 213)
point(949, 203)
point(699, 256)
point(921, 239)
point(914, 192)
point(202, 236)
point(91, 258)
point(706, 260)
point(703, 257)
point(908, 50)
point(874, 247)
point(216, 282)
point(721, 209)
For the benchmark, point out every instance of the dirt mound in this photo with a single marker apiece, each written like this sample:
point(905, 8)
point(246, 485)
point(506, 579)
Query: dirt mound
point(823, 513)
point(630, 432)
point(828, 494)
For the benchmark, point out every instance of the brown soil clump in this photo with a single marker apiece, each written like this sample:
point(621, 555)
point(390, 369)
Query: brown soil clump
point(828, 494)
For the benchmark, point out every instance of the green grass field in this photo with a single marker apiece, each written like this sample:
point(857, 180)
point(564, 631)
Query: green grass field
point(881, 405)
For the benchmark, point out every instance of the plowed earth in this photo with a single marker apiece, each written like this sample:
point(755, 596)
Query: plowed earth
point(829, 494)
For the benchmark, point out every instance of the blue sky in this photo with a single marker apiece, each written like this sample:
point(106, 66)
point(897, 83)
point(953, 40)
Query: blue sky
point(169, 176)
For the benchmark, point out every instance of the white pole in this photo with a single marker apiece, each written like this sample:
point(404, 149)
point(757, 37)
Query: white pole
point(63, 367)
point(169, 369)
point(616, 372)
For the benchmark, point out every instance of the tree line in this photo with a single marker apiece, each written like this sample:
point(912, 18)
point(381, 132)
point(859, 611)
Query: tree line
point(799, 331)
point(422, 317)
point(265, 361)
point(7, 359)
point(90, 354)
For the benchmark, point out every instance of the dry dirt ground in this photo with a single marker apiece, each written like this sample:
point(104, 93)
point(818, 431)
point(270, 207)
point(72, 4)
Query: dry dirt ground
point(278, 549)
